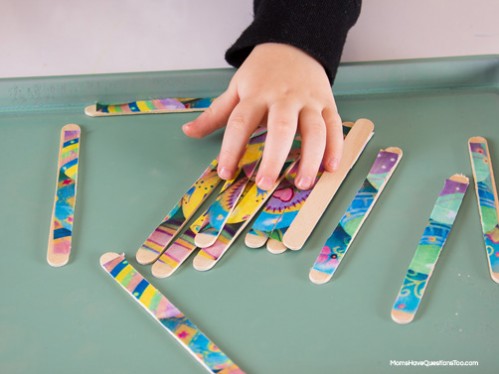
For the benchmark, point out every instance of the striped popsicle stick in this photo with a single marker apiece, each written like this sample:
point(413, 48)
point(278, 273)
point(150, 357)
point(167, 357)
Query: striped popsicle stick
point(344, 234)
point(488, 203)
point(175, 220)
point(168, 315)
point(61, 223)
point(325, 189)
point(153, 106)
point(429, 248)
point(221, 208)
point(179, 251)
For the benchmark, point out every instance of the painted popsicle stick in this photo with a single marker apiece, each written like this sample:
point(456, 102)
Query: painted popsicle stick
point(488, 203)
point(219, 211)
point(271, 213)
point(61, 223)
point(153, 106)
point(179, 251)
point(289, 212)
point(429, 248)
point(249, 204)
point(175, 220)
point(328, 184)
point(350, 224)
point(168, 315)
point(280, 211)
point(171, 259)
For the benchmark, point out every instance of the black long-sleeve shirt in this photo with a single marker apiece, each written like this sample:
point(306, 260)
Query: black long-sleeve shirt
point(318, 27)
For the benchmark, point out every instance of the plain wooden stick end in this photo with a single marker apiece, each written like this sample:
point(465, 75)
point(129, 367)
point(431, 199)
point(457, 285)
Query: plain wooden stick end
point(203, 240)
point(402, 318)
point(56, 260)
point(91, 110)
point(494, 276)
point(161, 270)
point(477, 139)
point(254, 241)
point(276, 247)
point(144, 256)
point(318, 277)
point(460, 178)
point(202, 263)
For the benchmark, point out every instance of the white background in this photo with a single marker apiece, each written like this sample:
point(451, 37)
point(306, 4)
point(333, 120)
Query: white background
point(60, 37)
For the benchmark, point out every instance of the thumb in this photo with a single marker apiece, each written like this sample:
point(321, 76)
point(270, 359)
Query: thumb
point(213, 118)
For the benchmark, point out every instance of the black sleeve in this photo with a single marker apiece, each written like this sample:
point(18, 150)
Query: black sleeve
point(318, 27)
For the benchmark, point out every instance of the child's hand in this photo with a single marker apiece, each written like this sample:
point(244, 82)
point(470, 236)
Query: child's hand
point(289, 90)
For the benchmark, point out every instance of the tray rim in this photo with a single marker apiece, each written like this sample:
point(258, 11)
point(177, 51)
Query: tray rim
point(71, 92)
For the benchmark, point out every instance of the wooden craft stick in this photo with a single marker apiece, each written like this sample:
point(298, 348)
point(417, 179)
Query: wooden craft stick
point(199, 346)
point(328, 184)
point(429, 248)
point(220, 210)
point(179, 251)
point(280, 211)
point(271, 213)
point(154, 106)
point(289, 212)
point(488, 203)
point(344, 234)
point(252, 200)
point(184, 245)
point(175, 220)
point(61, 223)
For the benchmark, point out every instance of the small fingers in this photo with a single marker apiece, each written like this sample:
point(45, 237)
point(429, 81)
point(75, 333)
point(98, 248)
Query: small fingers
point(213, 118)
point(313, 132)
point(334, 139)
point(282, 123)
point(243, 120)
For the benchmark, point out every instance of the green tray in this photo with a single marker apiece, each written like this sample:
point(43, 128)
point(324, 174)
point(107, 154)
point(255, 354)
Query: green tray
point(261, 309)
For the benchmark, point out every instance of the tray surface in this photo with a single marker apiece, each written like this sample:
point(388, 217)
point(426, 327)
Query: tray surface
point(261, 309)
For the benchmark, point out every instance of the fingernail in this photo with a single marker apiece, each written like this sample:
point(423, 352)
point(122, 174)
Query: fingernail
point(264, 183)
point(304, 183)
point(224, 173)
point(333, 164)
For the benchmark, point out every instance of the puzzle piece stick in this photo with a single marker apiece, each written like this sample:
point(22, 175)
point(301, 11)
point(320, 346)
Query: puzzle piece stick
point(175, 220)
point(350, 224)
point(488, 203)
point(179, 251)
point(171, 259)
point(168, 315)
point(220, 209)
point(280, 210)
point(154, 106)
point(275, 243)
point(249, 204)
point(61, 223)
point(429, 248)
point(328, 184)
point(271, 213)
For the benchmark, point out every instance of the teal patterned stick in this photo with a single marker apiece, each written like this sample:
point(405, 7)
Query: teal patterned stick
point(430, 246)
point(343, 235)
point(168, 316)
point(488, 203)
